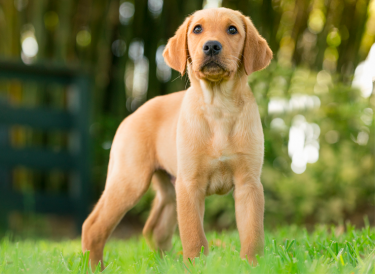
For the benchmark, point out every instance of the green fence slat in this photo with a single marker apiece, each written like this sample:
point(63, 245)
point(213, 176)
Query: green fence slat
point(75, 162)
point(39, 118)
point(39, 202)
point(36, 73)
point(36, 158)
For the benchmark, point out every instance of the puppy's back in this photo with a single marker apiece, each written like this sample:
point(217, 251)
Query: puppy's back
point(150, 132)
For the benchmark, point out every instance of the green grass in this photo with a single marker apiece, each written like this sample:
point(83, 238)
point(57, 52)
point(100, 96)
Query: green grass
point(288, 250)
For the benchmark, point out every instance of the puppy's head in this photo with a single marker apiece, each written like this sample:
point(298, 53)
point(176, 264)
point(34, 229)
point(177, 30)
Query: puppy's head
point(216, 44)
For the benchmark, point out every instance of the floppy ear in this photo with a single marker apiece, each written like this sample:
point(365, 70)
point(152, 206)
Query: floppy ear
point(256, 53)
point(176, 51)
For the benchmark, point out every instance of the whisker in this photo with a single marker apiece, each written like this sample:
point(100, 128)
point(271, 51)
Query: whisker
point(180, 76)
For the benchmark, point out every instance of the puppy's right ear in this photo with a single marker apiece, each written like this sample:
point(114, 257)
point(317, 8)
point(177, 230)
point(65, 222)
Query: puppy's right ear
point(176, 51)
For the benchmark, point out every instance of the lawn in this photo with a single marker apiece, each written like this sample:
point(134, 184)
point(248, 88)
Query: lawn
point(288, 250)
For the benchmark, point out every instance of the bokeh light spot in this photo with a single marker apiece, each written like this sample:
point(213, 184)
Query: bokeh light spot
point(332, 136)
point(30, 46)
point(126, 12)
point(20, 4)
point(155, 7)
point(51, 20)
point(118, 48)
point(334, 38)
point(364, 74)
point(316, 21)
point(278, 124)
point(362, 138)
point(163, 71)
point(83, 38)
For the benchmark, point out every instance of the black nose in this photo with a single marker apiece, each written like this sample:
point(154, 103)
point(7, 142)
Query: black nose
point(212, 48)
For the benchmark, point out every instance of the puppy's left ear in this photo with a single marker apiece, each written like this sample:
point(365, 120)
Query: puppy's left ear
point(256, 53)
point(176, 51)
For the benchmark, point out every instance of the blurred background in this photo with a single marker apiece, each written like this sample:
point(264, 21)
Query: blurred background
point(71, 71)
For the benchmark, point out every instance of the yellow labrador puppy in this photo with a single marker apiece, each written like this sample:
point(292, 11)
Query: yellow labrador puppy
point(190, 144)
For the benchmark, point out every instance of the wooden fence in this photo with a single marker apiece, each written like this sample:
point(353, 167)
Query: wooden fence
point(73, 161)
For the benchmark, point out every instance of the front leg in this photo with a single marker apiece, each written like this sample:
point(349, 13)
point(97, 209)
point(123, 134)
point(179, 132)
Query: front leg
point(249, 203)
point(190, 212)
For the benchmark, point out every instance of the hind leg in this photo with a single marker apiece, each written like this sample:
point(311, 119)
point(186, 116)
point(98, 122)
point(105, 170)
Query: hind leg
point(125, 185)
point(162, 221)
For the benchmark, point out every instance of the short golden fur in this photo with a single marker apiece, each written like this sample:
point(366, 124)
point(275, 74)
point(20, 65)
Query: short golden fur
point(208, 137)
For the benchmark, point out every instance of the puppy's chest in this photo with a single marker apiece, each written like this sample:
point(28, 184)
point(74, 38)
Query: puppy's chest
point(220, 173)
point(224, 128)
point(222, 152)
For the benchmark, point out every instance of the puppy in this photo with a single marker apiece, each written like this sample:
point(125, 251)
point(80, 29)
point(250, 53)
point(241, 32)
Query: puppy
point(190, 144)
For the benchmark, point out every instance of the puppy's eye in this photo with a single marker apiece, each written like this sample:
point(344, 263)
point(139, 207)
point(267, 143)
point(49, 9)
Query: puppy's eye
point(197, 29)
point(232, 30)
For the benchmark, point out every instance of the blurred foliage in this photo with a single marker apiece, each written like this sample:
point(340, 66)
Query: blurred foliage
point(317, 45)
point(117, 40)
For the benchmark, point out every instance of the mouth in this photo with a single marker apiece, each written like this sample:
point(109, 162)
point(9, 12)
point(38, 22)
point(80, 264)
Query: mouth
point(212, 67)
